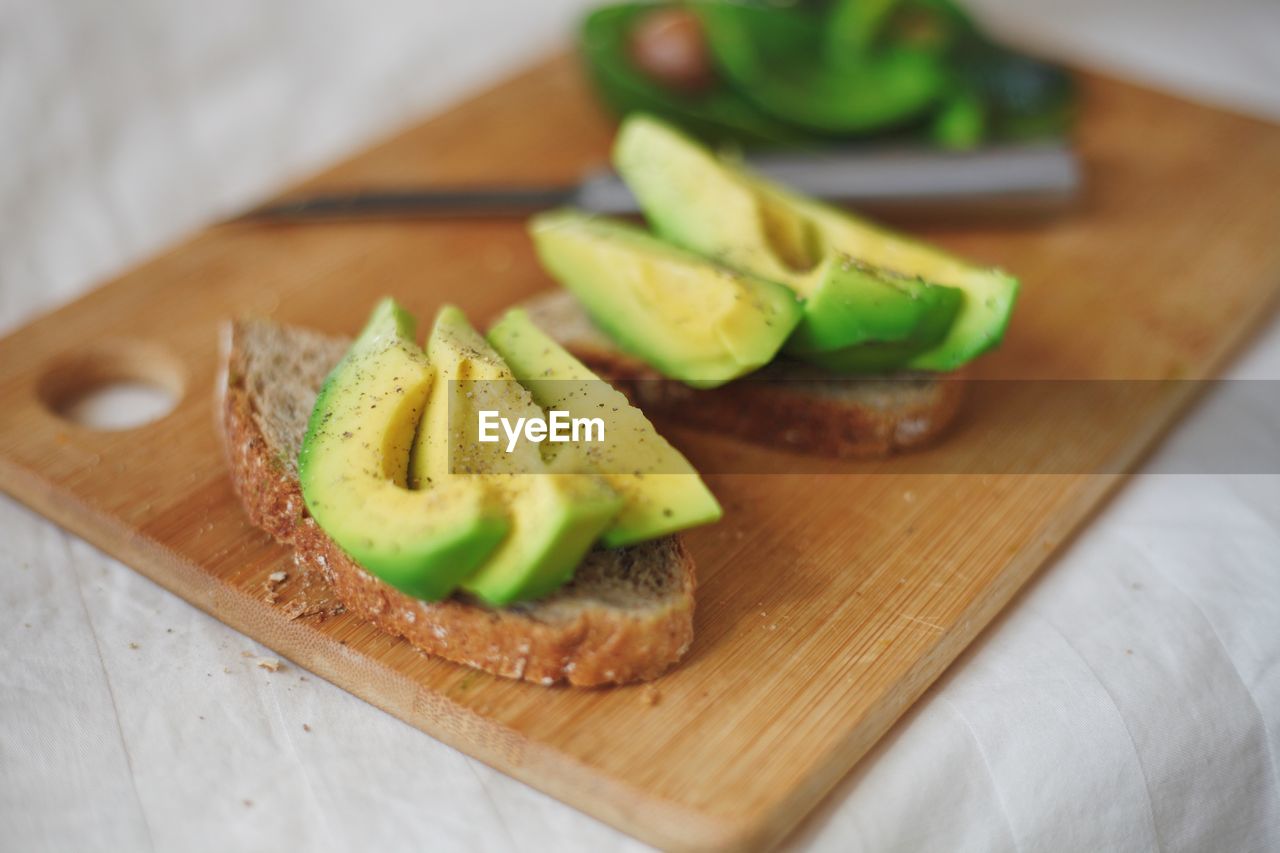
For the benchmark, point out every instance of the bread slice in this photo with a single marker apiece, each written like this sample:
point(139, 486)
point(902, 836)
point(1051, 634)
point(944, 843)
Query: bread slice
point(785, 404)
point(626, 616)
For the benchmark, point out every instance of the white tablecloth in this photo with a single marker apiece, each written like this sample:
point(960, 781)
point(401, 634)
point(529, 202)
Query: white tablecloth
point(1129, 700)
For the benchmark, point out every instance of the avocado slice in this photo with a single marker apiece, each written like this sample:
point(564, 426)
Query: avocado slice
point(835, 261)
point(354, 463)
point(862, 317)
point(662, 492)
point(555, 518)
point(687, 317)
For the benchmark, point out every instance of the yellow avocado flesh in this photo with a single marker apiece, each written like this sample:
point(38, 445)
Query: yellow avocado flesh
point(690, 319)
point(354, 463)
point(554, 518)
point(699, 202)
point(661, 491)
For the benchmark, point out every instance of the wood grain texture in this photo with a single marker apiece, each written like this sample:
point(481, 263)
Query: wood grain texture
point(830, 597)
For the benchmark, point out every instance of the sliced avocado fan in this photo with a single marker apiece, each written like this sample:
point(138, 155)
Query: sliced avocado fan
point(354, 463)
point(864, 286)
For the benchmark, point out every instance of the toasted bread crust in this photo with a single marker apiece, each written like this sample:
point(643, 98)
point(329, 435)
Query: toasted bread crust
point(271, 498)
point(595, 648)
point(584, 645)
point(777, 416)
point(777, 406)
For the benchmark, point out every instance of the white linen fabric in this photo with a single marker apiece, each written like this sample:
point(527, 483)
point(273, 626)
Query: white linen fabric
point(1128, 700)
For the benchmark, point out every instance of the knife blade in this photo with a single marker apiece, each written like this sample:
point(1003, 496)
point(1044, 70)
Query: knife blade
point(1041, 177)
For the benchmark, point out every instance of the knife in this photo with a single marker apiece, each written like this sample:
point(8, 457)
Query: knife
point(1019, 179)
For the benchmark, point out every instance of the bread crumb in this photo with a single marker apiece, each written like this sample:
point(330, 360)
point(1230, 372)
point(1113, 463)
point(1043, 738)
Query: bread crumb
point(651, 695)
point(301, 610)
point(909, 429)
point(133, 645)
point(270, 587)
point(248, 804)
point(306, 728)
point(246, 654)
point(269, 664)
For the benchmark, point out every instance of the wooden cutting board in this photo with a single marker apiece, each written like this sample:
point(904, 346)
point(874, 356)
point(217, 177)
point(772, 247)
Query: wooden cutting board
point(828, 601)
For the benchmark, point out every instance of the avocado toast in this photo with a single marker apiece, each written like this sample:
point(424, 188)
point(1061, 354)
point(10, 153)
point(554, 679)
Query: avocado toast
point(627, 614)
point(757, 312)
point(785, 404)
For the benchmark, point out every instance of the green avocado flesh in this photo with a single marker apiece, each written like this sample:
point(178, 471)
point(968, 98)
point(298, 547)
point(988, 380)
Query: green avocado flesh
point(554, 518)
point(872, 299)
point(354, 463)
point(662, 492)
point(687, 317)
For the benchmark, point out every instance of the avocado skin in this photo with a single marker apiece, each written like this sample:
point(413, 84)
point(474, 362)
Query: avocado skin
point(718, 114)
point(353, 468)
point(776, 57)
point(852, 321)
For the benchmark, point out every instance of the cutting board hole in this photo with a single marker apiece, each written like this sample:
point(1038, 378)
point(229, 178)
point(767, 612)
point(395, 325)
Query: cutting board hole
point(114, 386)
